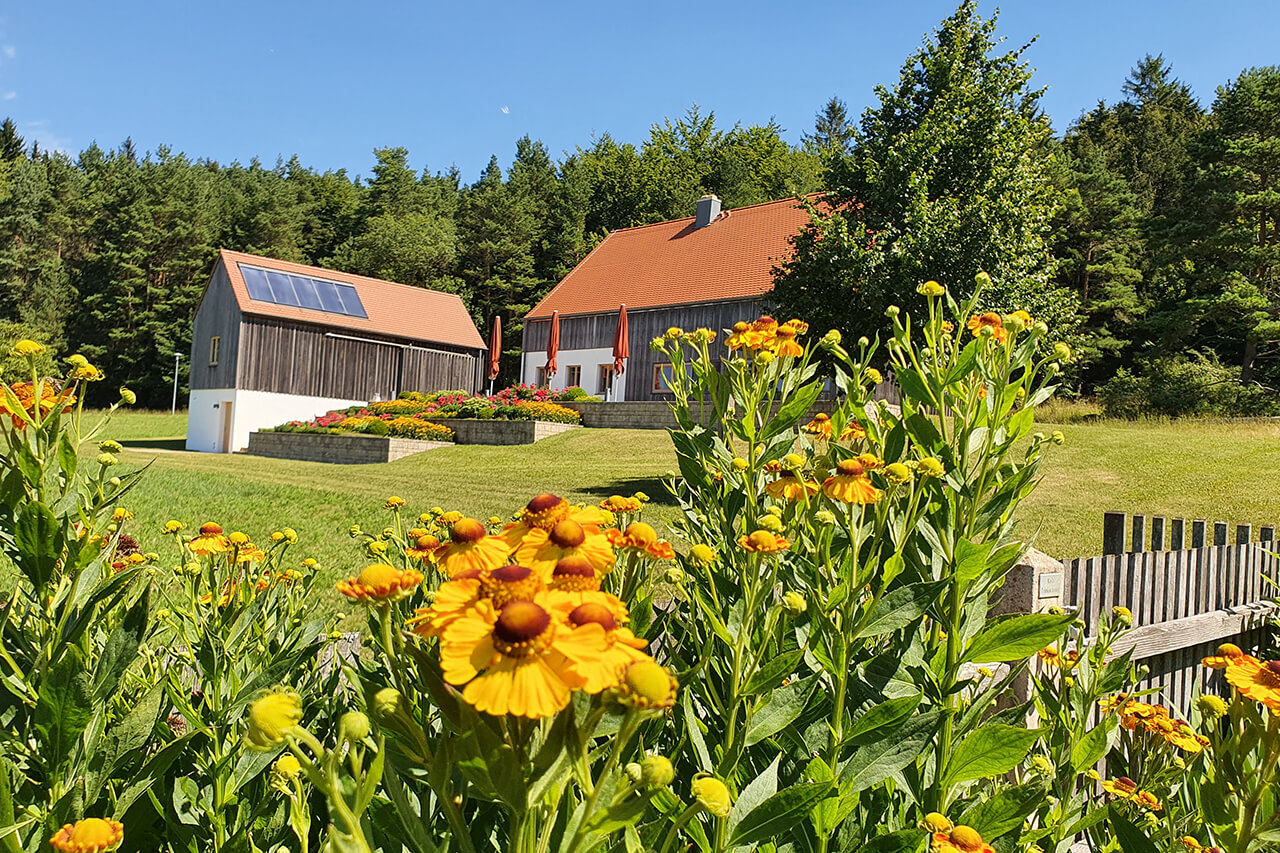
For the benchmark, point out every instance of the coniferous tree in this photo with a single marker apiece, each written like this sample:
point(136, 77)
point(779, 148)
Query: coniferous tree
point(832, 131)
point(948, 177)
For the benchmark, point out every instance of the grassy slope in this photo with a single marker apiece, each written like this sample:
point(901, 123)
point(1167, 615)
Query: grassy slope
point(1194, 469)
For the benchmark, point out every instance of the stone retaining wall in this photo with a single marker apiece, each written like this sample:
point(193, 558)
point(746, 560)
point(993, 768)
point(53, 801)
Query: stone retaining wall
point(477, 431)
point(645, 414)
point(337, 449)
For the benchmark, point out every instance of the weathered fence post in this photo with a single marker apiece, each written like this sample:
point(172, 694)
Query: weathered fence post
point(1220, 533)
point(1113, 533)
point(1197, 533)
point(1139, 534)
point(1244, 533)
point(1177, 534)
point(1157, 533)
point(1266, 533)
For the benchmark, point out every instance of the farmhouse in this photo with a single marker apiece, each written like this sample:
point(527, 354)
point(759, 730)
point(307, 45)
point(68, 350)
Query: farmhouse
point(275, 341)
point(711, 270)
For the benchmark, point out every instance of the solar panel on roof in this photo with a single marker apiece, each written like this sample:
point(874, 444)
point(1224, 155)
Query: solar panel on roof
point(300, 291)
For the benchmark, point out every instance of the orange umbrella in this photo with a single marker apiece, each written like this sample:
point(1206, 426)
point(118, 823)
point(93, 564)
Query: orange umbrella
point(495, 347)
point(621, 341)
point(553, 344)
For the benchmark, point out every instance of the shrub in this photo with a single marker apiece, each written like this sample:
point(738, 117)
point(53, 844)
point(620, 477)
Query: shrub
point(1185, 386)
point(535, 411)
point(397, 407)
point(409, 427)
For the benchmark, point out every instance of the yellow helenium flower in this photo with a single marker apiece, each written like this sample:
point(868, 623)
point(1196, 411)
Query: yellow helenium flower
point(91, 835)
point(471, 547)
point(210, 541)
point(578, 610)
point(380, 582)
point(641, 537)
point(454, 598)
point(764, 542)
point(272, 717)
point(423, 546)
point(960, 839)
point(393, 502)
point(515, 660)
point(618, 503)
point(1257, 680)
point(287, 766)
point(27, 347)
point(567, 538)
point(850, 484)
point(543, 513)
point(1227, 653)
point(575, 574)
point(990, 320)
point(820, 426)
point(790, 487)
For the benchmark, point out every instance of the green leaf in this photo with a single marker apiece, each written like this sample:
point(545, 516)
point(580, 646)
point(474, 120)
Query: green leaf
point(121, 648)
point(64, 708)
point(695, 733)
point(971, 561)
point(1132, 839)
point(1017, 637)
point(779, 710)
point(899, 608)
point(186, 801)
point(912, 386)
point(902, 841)
point(885, 714)
point(793, 410)
point(924, 432)
point(38, 540)
point(67, 457)
point(757, 791)
point(885, 753)
point(780, 812)
point(989, 751)
point(772, 674)
point(29, 465)
point(1005, 811)
point(1088, 750)
point(123, 740)
point(8, 843)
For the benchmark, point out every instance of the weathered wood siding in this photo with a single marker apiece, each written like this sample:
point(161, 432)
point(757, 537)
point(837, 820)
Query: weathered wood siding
point(291, 358)
point(218, 315)
point(588, 331)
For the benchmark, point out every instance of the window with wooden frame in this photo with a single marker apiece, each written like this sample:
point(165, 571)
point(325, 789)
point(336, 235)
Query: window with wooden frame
point(573, 375)
point(541, 378)
point(604, 381)
point(214, 344)
point(662, 378)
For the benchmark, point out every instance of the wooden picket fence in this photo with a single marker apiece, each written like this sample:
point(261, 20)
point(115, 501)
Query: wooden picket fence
point(1187, 598)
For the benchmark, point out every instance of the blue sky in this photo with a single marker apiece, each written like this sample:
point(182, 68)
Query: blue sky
point(457, 82)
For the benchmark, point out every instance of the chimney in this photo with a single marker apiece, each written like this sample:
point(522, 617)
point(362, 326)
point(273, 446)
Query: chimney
point(708, 210)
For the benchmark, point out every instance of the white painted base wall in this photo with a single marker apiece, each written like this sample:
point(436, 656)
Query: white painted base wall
point(588, 359)
point(250, 410)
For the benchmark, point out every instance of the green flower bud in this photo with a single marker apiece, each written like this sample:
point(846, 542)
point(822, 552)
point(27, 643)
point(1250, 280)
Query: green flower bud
point(824, 517)
point(892, 311)
point(702, 554)
point(110, 446)
point(355, 724)
point(713, 795)
point(771, 523)
point(1211, 707)
point(634, 771)
point(657, 770)
point(897, 473)
point(794, 603)
point(106, 460)
point(128, 397)
point(675, 575)
point(1057, 437)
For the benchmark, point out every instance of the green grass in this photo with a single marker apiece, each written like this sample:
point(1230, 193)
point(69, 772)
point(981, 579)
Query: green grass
point(1197, 469)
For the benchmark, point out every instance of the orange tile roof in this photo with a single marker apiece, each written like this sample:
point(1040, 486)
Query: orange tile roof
point(673, 263)
point(395, 310)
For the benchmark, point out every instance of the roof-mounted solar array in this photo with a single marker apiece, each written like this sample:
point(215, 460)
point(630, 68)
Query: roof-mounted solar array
point(301, 291)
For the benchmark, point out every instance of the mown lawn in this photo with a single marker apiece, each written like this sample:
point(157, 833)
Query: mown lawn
point(1196, 469)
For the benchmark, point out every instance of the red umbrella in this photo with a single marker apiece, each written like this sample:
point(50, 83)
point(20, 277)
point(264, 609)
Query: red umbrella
point(621, 341)
point(553, 344)
point(495, 347)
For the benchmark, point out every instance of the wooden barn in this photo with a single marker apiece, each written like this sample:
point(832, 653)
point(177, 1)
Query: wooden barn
point(275, 342)
point(712, 269)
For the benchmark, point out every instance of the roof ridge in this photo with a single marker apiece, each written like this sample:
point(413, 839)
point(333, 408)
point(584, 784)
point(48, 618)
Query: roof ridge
point(726, 210)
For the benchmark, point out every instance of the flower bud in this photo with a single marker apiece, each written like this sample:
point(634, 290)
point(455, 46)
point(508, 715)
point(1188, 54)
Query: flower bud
point(27, 348)
point(793, 461)
point(1123, 616)
point(864, 341)
point(106, 460)
point(657, 770)
point(771, 523)
point(237, 538)
point(1057, 437)
point(1211, 707)
point(763, 357)
point(287, 767)
point(657, 344)
point(794, 603)
point(702, 554)
point(1061, 351)
point(272, 717)
point(982, 280)
point(739, 464)
point(674, 333)
point(832, 337)
point(110, 446)
point(675, 575)
point(1040, 328)
point(825, 517)
point(115, 481)
point(897, 473)
point(713, 795)
point(290, 535)
point(930, 467)
point(355, 724)
point(128, 397)
point(935, 822)
point(892, 311)
point(931, 289)
point(634, 771)
point(873, 376)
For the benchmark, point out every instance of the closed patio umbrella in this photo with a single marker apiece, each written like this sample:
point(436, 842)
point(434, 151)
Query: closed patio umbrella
point(553, 345)
point(495, 350)
point(621, 342)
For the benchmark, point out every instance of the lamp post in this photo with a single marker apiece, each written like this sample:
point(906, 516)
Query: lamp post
point(173, 410)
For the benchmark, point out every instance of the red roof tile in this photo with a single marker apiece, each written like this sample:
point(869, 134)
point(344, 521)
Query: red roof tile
point(673, 263)
point(395, 310)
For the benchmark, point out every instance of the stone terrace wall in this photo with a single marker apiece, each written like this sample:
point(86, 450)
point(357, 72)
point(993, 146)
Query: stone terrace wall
point(644, 415)
point(337, 449)
point(477, 431)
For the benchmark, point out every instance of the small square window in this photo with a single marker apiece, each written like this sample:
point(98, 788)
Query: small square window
point(604, 381)
point(214, 343)
point(542, 376)
point(662, 378)
point(573, 375)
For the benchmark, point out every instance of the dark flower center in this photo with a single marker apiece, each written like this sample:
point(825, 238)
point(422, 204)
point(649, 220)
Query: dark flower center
point(521, 622)
point(593, 612)
point(467, 530)
point(568, 534)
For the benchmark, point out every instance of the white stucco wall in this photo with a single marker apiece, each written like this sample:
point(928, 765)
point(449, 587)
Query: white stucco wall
point(250, 410)
point(588, 359)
